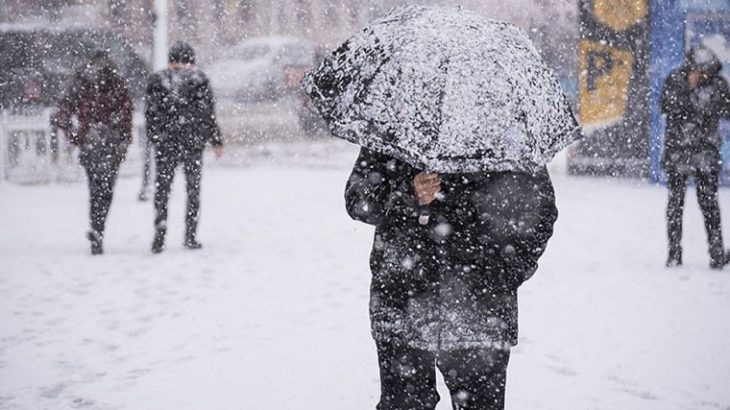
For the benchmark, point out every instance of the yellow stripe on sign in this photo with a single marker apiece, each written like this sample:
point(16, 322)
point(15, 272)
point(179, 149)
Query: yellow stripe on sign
point(605, 77)
point(620, 14)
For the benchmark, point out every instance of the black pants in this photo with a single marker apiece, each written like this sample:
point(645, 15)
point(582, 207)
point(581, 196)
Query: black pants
point(101, 190)
point(166, 160)
point(707, 183)
point(101, 155)
point(476, 378)
point(147, 150)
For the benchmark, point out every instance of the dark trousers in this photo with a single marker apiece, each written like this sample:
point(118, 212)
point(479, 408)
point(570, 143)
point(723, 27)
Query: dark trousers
point(101, 190)
point(707, 183)
point(476, 378)
point(147, 149)
point(101, 155)
point(166, 160)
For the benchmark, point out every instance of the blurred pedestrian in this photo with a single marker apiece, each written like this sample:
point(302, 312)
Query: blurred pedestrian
point(694, 99)
point(180, 115)
point(98, 96)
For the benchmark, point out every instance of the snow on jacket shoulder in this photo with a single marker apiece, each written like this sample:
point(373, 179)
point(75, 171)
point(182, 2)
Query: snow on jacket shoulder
point(180, 109)
point(452, 282)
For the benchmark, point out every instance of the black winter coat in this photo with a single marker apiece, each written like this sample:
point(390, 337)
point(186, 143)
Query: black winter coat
point(180, 110)
point(692, 142)
point(97, 94)
point(450, 284)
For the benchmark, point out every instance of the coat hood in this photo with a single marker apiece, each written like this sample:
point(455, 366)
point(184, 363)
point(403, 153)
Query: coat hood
point(703, 59)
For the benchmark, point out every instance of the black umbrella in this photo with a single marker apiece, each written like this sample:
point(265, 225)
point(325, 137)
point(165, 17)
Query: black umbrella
point(446, 91)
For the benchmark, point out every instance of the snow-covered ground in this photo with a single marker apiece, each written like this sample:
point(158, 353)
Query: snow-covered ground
point(272, 312)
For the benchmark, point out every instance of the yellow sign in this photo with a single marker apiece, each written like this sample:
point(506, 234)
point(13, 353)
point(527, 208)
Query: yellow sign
point(605, 77)
point(620, 14)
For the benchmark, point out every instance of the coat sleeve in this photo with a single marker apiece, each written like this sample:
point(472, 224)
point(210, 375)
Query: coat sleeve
point(724, 98)
point(122, 117)
point(520, 256)
point(379, 188)
point(66, 108)
point(209, 124)
point(673, 102)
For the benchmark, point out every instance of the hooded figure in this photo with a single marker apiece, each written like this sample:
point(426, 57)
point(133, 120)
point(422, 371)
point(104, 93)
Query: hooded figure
point(180, 115)
point(694, 99)
point(98, 96)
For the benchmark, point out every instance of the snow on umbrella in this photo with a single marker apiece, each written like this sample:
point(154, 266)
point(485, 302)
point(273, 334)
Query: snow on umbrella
point(446, 91)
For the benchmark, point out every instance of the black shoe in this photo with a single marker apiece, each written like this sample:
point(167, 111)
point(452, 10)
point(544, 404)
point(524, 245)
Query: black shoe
point(158, 244)
point(94, 238)
point(191, 243)
point(674, 260)
point(714, 264)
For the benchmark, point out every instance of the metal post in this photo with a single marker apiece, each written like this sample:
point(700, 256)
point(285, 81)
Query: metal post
point(159, 46)
point(274, 17)
point(3, 144)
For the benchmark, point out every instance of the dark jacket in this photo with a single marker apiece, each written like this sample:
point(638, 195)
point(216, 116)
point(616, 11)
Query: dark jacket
point(452, 283)
point(180, 110)
point(96, 94)
point(692, 142)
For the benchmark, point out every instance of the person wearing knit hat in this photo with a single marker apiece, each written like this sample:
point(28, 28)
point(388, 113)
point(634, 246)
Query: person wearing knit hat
point(181, 53)
point(180, 120)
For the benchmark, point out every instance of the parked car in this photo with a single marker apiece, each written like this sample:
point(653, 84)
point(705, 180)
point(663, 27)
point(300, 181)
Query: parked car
point(37, 60)
point(261, 68)
point(265, 73)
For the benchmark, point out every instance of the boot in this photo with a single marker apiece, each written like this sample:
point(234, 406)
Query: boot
point(192, 243)
point(675, 257)
point(95, 239)
point(158, 243)
point(719, 263)
point(191, 225)
point(718, 256)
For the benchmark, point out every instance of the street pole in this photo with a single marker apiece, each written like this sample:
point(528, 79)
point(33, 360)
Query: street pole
point(274, 18)
point(159, 45)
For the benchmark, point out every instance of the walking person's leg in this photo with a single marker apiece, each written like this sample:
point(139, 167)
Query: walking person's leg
point(103, 169)
point(95, 234)
point(407, 378)
point(165, 163)
point(707, 184)
point(476, 378)
point(193, 168)
point(677, 184)
point(147, 149)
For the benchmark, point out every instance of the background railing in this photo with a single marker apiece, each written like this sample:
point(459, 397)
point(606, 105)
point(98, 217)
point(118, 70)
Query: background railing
point(32, 151)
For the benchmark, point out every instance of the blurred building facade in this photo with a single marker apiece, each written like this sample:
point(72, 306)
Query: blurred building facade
point(211, 25)
point(208, 25)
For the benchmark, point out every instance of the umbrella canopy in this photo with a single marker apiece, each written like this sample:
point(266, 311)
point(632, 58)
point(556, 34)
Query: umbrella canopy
point(446, 91)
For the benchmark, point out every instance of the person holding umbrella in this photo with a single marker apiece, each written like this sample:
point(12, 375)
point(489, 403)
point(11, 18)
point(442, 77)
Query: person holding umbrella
point(457, 117)
point(694, 99)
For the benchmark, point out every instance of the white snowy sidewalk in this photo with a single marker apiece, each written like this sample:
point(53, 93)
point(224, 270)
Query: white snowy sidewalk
point(272, 312)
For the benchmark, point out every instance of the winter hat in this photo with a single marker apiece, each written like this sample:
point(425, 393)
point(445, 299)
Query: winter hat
point(100, 54)
point(703, 59)
point(181, 53)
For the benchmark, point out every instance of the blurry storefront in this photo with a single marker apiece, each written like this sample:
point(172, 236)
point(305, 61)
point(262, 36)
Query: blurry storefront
point(627, 49)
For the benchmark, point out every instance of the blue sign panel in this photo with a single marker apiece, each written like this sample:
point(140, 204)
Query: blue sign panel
point(712, 30)
point(666, 38)
point(676, 26)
